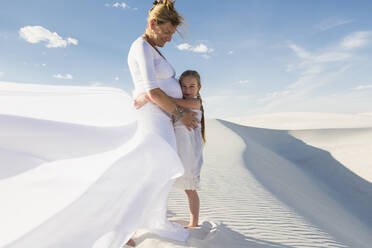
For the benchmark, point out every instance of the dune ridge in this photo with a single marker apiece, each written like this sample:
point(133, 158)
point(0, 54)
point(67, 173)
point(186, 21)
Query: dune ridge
point(271, 188)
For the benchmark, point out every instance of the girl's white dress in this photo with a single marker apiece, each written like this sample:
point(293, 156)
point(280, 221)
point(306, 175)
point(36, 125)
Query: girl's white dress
point(190, 150)
point(79, 167)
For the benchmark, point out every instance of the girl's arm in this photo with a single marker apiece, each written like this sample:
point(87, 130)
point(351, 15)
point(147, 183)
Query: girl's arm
point(188, 103)
point(158, 97)
point(185, 103)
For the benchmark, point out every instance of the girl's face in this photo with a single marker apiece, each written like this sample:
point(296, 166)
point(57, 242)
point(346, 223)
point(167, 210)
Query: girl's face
point(190, 87)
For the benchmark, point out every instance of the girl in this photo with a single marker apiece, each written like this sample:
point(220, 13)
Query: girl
point(189, 141)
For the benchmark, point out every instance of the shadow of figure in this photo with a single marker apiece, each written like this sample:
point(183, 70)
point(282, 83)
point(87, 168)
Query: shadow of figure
point(209, 234)
point(318, 167)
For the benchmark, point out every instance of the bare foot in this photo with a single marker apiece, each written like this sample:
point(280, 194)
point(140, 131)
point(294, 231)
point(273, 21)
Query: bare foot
point(190, 226)
point(131, 243)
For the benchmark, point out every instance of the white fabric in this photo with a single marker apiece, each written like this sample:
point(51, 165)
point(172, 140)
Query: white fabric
point(79, 167)
point(149, 70)
point(190, 150)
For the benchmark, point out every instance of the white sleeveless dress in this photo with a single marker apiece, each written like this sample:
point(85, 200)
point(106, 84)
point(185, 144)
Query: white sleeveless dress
point(190, 150)
point(79, 167)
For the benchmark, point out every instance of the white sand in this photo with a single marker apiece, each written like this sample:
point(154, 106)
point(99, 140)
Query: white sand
point(261, 187)
point(281, 180)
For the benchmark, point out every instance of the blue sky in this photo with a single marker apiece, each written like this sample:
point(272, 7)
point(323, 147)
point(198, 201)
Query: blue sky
point(254, 56)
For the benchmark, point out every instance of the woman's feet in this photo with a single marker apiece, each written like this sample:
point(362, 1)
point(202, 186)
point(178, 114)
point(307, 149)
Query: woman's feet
point(131, 243)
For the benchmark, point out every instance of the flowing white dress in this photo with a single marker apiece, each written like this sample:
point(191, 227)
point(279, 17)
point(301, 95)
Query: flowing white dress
point(79, 167)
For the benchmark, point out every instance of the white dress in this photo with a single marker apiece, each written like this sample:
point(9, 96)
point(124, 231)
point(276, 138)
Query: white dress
point(79, 167)
point(190, 150)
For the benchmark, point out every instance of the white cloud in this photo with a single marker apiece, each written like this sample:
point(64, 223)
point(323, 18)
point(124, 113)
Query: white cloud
point(300, 52)
point(332, 57)
point(60, 76)
point(116, 78)
point(206, 56)
point(72, 41)
point(332, 23)
point(184, 46)
point(363, 87)
point(356, 39)
point(276, 94)
point(36, 34)
point(230, 52)
point(120, 5)
point(201, 48)
point(43, 65)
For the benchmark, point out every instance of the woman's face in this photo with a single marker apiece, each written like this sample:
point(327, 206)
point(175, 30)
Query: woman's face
point(190, 87)
point(162, 33)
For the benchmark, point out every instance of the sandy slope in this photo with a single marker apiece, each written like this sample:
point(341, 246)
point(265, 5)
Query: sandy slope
point(277, 188)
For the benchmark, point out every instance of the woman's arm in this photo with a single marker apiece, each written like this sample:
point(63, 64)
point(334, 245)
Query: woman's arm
point(158, 97)
point(145, 61)
point(188, 103)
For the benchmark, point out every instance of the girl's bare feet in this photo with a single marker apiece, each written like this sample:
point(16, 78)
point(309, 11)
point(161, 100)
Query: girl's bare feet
point(190, 226)
point(131, 243)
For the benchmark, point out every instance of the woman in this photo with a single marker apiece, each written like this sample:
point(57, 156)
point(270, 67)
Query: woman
point(152, 74)
point(71, 178)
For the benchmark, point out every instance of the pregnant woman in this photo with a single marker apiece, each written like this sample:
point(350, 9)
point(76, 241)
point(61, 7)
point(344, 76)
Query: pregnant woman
point(153, 75)
point(76, 170)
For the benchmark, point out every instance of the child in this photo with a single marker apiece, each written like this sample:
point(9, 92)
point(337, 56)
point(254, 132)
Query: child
point(189, 142)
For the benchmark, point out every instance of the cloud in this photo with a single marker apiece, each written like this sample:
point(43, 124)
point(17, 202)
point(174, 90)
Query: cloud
point(60, 76)
point(276, 94)
point(332, 23)
point(72, 41)
point(356, 40)
point(116, 78)
point(119, 5)
point(36, 34)
point(201, 48)
point(363, 87)
point(300, 52)
point(316, 69)
point(230, 52)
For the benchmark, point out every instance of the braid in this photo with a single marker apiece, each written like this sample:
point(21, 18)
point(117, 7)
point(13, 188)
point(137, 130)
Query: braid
point(202, 122)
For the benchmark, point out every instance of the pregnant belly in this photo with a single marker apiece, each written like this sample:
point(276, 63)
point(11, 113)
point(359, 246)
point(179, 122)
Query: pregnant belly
point(171, 87)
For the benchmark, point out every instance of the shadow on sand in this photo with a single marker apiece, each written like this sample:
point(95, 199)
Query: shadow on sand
point(208, 235)
point(275, 155)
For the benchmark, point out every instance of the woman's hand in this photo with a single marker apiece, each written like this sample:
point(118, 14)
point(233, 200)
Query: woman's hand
point(189, 120)
point(141, 100)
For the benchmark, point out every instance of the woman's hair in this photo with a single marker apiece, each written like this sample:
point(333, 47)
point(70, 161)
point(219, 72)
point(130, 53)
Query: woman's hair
point(195, 74)
point(164, 11)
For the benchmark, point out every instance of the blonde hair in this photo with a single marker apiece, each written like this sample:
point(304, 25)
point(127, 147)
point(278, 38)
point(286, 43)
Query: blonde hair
point(195, 74)
point(164, 11)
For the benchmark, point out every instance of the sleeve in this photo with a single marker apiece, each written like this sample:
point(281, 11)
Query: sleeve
point(146, 66)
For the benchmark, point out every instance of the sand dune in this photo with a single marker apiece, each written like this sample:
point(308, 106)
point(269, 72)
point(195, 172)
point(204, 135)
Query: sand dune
point(277, 188)
point(280, 180)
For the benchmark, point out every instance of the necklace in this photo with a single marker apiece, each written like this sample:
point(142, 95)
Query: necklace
point(146, 38)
